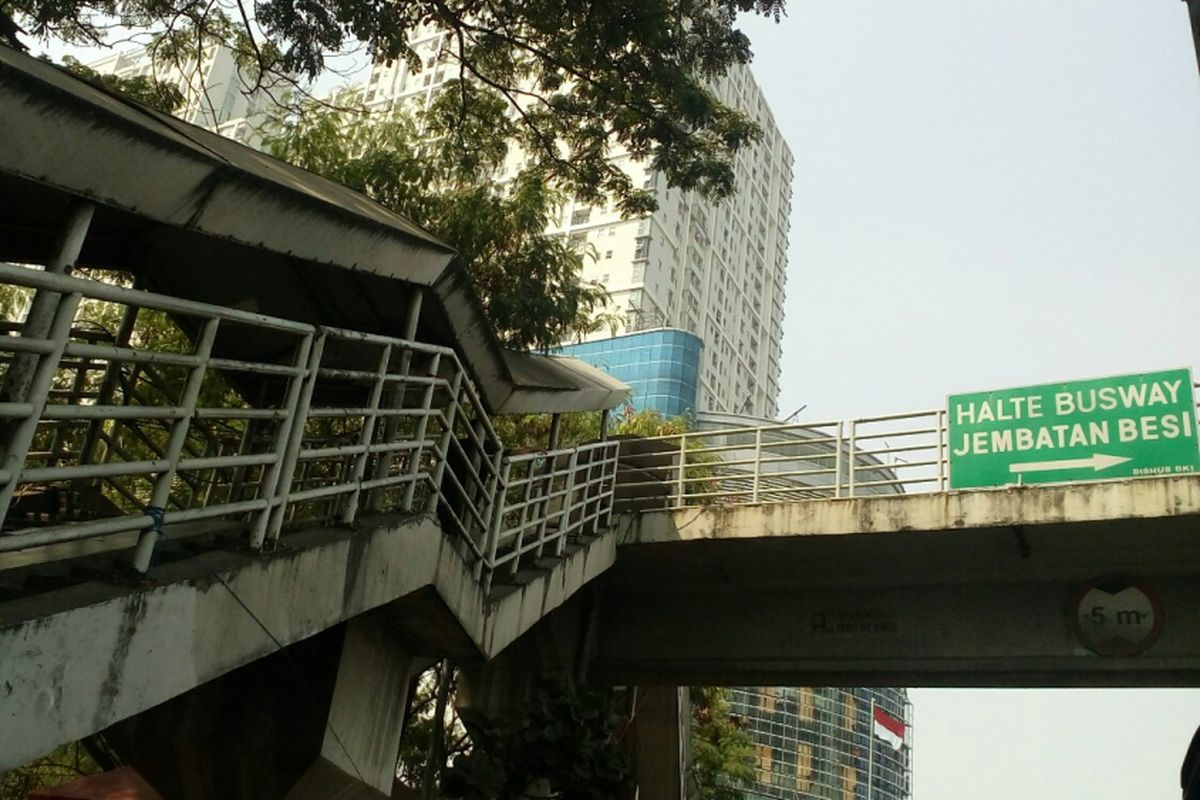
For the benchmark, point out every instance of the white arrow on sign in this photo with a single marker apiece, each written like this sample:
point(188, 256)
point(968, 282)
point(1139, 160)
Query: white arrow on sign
point(1097, 462)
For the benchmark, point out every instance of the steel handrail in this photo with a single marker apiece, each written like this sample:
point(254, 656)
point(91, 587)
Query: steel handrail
point(284, 471)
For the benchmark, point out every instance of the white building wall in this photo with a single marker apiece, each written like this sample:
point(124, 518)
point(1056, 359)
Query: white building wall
point(216, 95)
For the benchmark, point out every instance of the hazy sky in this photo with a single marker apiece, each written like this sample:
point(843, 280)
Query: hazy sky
point(993, 194)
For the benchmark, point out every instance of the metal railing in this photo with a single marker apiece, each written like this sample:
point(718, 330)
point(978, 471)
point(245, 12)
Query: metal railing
point(132, 411)
point(889, 454)
point(126, 411)
point(886, 454)
point(553, 491)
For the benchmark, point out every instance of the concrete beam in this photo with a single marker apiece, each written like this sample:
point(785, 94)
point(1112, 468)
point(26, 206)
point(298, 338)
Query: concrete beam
point(968, 589)
point(1012, 634)
point(1140, 498)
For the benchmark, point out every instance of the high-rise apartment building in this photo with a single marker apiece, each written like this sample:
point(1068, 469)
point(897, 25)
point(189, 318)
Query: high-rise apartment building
point(714, 269)
point(217, 94)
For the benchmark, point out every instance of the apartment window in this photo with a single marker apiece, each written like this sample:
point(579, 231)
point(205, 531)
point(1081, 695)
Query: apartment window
point(764, 760)
point(608, 254)
point(804, 767)
point(581, 215)
point(641, 247)
point(806, 704)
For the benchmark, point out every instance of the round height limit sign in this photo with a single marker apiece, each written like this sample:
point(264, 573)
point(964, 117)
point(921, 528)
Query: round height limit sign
point(1116, 616)
point(1117, 427)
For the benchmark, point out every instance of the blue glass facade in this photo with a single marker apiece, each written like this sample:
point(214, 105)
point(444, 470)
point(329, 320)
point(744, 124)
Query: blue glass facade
point(662, 367)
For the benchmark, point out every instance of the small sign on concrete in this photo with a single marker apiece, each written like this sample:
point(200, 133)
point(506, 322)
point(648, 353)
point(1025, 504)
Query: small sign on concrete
point(1116, 616)
point(853, 622)
point(1117, 427)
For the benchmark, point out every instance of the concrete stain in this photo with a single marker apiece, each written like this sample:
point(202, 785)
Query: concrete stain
point(355, 557)
point(131, 616)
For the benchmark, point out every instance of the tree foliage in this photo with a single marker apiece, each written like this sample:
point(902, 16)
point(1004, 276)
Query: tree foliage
point(722, 751)
point(532, 431)
point(159, 95)
point(437, 169)
point(649, 423)
point(567, 80)
point(565, 739)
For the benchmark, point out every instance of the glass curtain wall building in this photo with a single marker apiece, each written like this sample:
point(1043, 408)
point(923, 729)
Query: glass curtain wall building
point(662, 367)
point(819, 743)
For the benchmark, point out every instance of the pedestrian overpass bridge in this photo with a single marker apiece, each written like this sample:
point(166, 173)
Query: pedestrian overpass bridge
point(246, 412)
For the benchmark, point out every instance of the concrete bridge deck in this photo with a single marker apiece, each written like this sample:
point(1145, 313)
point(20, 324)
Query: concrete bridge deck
point(957, 589)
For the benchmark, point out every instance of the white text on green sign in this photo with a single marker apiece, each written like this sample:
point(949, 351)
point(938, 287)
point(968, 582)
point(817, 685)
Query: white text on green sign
point(1123, 426)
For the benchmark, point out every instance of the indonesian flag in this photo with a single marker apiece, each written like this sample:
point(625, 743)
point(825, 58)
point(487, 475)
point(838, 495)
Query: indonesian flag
point(888, 728)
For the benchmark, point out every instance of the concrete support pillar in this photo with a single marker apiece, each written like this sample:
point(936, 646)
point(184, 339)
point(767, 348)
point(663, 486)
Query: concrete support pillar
point(319, 720)
point(557, 648)
point(494, 690)
point(248, 735)
point(366, 715)
point(660, 741)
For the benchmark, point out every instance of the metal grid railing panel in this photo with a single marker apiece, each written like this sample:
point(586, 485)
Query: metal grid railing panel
point(130, 411)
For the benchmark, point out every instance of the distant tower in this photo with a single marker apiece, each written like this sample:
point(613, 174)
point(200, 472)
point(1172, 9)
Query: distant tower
point(826, 743)
point(715, 270)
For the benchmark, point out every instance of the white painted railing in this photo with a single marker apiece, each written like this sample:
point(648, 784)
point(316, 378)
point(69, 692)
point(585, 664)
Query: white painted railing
point(888, 454)
point(131, 411)
point(549, 492)
point(124, 411)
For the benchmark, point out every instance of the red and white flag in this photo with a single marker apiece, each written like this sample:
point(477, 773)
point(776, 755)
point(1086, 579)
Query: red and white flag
point(888, 728)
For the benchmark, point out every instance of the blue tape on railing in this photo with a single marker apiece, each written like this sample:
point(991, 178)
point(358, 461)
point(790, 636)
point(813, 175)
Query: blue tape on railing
point(157, 515)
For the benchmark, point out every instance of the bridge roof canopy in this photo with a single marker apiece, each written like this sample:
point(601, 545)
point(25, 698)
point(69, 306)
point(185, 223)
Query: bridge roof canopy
point(203, 217)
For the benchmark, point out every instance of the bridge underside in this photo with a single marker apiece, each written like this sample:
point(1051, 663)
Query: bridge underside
point(976, 589)
point(76, 660)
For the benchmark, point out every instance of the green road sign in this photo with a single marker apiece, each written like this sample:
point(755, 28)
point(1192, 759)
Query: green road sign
point(1119, 427)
